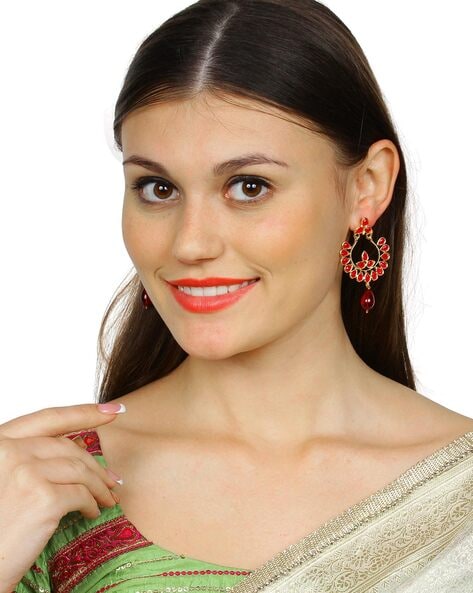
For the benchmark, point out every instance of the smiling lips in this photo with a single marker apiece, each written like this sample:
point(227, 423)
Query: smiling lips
point(209, 294)
point(209, 281)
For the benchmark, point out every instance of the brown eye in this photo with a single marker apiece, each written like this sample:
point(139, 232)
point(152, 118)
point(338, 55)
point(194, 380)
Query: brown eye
point(161, 190)
point(157, 189)
point(153, 190)
point(251, 188)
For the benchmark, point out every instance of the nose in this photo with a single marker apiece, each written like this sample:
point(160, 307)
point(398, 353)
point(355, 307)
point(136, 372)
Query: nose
point(198, 234)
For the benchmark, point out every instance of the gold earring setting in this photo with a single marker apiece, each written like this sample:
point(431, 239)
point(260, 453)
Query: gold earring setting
point(365, 270)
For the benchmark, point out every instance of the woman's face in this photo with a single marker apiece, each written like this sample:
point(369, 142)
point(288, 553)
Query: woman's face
point(283, 224)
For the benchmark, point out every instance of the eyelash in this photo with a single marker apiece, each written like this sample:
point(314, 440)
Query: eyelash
point(138, 185)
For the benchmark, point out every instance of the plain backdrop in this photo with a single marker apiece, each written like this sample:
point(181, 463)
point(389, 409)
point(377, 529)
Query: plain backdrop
point(62, 253)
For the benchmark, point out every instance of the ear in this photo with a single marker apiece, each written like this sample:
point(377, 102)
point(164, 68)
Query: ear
point(372, 183)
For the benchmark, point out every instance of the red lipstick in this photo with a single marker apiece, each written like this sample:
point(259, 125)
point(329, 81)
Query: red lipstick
point(209, 304)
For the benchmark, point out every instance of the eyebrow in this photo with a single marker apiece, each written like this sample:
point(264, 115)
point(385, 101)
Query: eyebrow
point(255, 158)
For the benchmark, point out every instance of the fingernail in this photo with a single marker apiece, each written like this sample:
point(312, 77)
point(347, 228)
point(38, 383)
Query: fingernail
point(112, 408)
point(114, 476)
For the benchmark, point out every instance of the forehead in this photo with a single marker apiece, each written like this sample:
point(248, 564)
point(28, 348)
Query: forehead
point(211, 126)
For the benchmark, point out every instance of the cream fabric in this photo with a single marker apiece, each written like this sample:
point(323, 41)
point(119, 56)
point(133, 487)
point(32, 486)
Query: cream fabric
point(451, 571)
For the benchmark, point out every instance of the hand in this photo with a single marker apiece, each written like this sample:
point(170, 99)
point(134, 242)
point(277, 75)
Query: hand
point(44, 476)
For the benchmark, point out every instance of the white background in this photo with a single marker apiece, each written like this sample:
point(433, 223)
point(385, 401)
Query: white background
point(62, 254)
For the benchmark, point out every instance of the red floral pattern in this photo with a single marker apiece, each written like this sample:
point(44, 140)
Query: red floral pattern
point(76, 560)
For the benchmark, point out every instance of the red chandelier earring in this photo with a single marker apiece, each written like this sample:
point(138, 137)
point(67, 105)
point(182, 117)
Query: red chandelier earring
point(366, 270)
point(145, 299)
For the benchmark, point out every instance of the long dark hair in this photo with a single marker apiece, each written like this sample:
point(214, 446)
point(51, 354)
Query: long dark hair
point(297, 56)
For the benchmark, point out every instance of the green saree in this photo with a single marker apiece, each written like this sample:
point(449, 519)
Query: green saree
point(415, 535)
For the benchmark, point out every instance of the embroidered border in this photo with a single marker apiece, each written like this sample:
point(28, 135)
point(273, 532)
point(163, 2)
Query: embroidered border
point(73, 562)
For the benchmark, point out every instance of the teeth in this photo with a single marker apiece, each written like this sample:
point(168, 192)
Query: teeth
point(212, 290)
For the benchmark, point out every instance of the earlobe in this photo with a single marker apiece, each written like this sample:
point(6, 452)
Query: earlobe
point(374, 182)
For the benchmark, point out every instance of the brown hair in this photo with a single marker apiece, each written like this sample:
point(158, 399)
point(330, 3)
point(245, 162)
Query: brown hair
point(297, 56)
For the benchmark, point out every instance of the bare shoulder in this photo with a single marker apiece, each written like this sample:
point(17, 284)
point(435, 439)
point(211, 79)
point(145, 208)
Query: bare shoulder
point(425, 420)
point(149, 416)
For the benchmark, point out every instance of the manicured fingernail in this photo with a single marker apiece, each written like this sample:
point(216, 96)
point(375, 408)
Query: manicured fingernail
point(114, 476)
point(112, 408)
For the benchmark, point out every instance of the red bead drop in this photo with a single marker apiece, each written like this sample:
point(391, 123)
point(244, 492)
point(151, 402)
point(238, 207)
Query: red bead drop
point(367, 300)
point(145, 299)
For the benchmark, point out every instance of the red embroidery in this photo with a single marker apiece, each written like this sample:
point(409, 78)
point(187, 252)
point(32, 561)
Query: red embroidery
point(37, 569)
point(102, 589)
point(72, 563)
point(90, 438)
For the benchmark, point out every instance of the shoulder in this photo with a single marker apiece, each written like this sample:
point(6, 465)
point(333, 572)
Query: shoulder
point(150, 419)
point(394, 417)
point(149, 408)
point(444, 421)
point(422, 420)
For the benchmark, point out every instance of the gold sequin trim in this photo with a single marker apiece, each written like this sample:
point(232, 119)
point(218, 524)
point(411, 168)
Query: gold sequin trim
point(357, 515)
point(34, 586)
point(131, 563)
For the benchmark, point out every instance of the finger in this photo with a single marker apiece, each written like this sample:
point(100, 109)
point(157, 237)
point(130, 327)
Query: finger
point(57, 421)
point(75, 497)
point(46, 448)
point(62, 470)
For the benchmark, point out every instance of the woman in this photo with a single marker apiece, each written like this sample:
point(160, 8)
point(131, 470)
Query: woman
point(273, 438)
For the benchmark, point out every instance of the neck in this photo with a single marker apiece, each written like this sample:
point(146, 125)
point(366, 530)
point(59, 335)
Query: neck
point(309, 384)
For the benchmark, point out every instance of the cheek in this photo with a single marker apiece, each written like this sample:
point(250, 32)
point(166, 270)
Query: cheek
point(143, 240)
point(130, 234)
point(299, 249)
point(294, 238)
